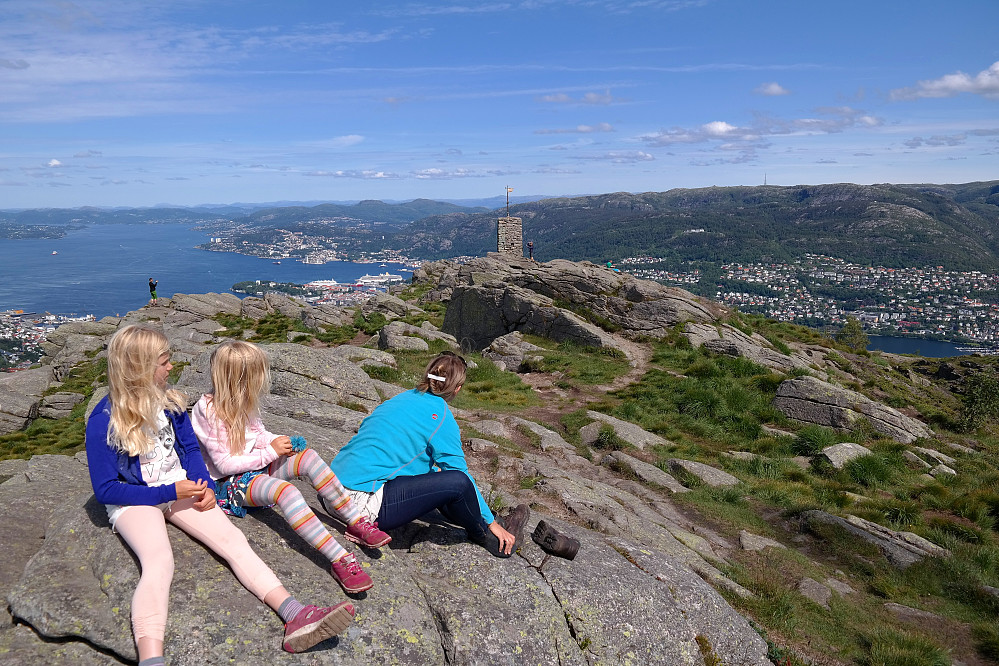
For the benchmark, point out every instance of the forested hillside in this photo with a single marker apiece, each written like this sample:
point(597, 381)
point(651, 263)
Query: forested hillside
point(891, 225)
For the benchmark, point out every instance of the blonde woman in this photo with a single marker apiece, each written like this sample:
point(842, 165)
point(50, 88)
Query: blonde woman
point(252, 467)
point(146, 468)
point(406, 460)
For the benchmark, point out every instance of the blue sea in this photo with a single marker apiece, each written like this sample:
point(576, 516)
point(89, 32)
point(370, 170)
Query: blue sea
point(104, 269)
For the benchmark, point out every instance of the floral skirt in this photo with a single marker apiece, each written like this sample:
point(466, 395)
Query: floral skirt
point(230, 492)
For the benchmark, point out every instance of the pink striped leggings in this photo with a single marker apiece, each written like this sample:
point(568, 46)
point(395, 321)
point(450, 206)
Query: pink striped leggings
point(144, 530)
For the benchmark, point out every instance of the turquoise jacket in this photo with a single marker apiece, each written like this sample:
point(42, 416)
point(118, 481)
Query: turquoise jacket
point(413, 433)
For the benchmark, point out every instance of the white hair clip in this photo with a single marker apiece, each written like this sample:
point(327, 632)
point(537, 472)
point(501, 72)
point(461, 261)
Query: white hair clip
point(437, 377)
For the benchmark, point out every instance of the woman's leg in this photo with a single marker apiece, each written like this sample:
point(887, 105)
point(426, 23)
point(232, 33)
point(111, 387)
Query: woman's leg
point(212, 528)
point(144, 530)
point(265, 490)
point(452, 492)
point(308, 464)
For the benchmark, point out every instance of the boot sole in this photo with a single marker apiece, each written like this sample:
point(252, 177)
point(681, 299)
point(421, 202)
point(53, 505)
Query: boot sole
point(353, 539)
point(331, 625)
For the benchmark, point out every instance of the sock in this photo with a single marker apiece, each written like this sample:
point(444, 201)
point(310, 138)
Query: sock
point(289, 608)
point(153, 661)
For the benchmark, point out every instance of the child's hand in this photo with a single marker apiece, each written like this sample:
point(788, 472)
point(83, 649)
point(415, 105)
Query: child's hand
point(207, 500)
point(282, 445)
point(188, 488)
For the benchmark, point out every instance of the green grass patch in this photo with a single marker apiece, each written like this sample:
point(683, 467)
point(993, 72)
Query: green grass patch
point(577, 364)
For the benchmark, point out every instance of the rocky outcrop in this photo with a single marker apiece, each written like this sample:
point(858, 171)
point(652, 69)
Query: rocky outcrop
point(509, 351)
point(902, 549)
point(20, 395)
point(812, 400)
point(505, 290)
point(398, 335)
point(728, 340)
point(637, 591)
point(477, 315)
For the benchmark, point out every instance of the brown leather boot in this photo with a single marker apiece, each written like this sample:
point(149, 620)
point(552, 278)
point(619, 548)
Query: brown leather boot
point(554, 542)
point(514, 523)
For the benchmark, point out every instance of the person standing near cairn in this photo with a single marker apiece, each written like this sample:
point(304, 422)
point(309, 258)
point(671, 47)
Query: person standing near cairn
point(152, 291)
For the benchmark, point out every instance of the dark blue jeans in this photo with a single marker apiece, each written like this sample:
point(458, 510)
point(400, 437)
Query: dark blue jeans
point(451, 492)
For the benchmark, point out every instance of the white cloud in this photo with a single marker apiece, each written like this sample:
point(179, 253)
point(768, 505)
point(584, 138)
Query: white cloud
point(620, 156)
point(592, 98)
point(579, 129)
point(771, 89)
point(985, 83)
point(365, 174)
point(54, 163)
point(937, 141)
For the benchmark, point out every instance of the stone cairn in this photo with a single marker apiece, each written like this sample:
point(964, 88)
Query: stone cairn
point(510, 237)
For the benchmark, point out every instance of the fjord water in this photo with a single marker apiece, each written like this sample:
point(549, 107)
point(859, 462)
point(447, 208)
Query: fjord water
point(104, 269)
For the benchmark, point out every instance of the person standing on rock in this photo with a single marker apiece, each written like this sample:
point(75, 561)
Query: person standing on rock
point(146, 468)
point(152, 291)
point(406, 460)
point(252, 467)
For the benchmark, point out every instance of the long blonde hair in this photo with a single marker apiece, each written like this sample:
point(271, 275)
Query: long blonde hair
point(133, 355)
point(450, 369)
point(240, 375)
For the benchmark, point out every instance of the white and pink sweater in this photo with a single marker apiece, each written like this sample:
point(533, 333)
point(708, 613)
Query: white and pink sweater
point(214, 438)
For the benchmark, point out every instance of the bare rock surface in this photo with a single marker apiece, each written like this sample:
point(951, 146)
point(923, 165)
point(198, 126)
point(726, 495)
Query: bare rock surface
point(641, 590)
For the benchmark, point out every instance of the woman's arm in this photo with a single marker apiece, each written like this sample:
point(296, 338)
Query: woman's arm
point(214, 439)
point(446, 453)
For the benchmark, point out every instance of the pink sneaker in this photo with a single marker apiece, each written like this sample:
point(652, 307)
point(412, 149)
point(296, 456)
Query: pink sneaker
point(367, 534)
point(313, 625)
point(350, 575)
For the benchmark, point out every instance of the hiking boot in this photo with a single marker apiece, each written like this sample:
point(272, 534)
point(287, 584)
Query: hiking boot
point(313, 625)
point(514, 524)
point(352, 578)
point(554, 542)
point(367, 534)
point(490, 542)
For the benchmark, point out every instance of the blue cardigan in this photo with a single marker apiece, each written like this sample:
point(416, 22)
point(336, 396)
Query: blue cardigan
point(117, 476)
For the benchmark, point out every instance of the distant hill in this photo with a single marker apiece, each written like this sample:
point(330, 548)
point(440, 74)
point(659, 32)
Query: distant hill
point(954, 226)
point(364, 211)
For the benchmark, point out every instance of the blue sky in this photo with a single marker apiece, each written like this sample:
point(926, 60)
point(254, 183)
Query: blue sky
point(130, 103)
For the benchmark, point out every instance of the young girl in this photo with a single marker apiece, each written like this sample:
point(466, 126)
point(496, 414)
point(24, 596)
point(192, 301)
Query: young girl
point(146, 468)
point(251, 467)
point(406, 460)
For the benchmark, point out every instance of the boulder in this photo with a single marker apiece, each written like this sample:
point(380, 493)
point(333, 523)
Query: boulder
point(208, 305)
point(728, 340)
point(629, 432)
point(59, 405)
point(399, 335)
point(840, 454)
point(812, 400)
point(20, 395)
point(901, 549)
point(477, 315)
point(509, 351)
point(646, 473)
point(750, 541)
point(708, 475)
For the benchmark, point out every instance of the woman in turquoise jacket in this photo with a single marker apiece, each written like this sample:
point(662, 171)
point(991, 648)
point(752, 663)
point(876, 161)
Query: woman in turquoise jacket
point(406, 460)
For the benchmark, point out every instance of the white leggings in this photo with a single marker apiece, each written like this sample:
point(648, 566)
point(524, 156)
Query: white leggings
point(144, 530)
